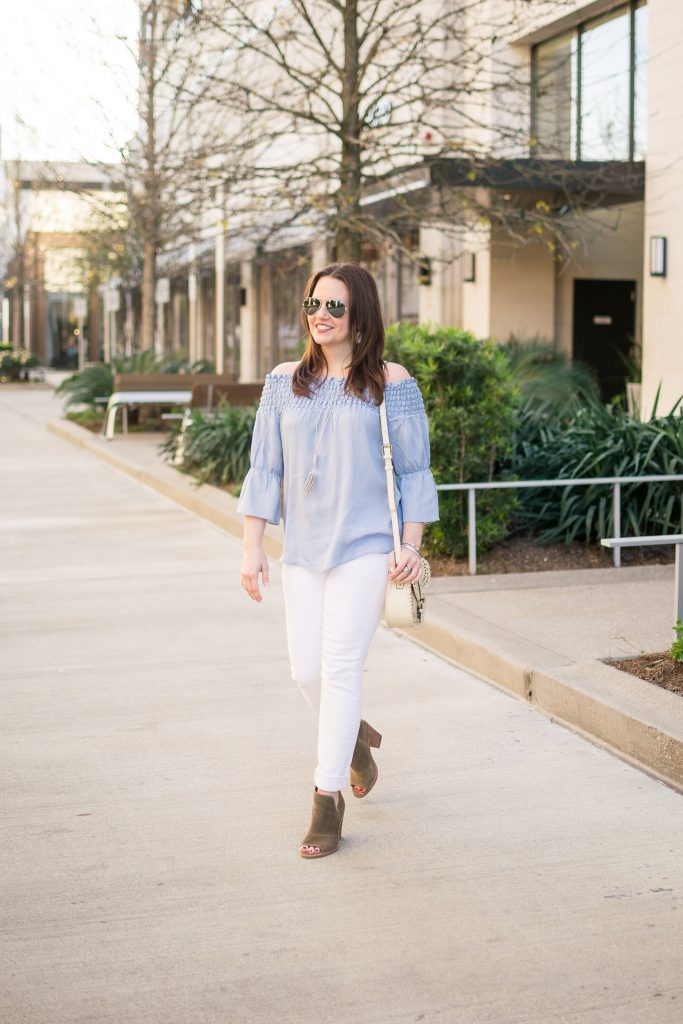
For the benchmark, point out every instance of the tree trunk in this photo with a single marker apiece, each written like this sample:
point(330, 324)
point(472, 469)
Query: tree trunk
point(348, 238)
point(149, 260)
point(150, 212)
point(17, 317)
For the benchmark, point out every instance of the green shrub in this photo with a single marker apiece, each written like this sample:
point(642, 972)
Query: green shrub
point(470, 399)
point(676, 650)
point(13, 364)
point(549, 381)
point(598, 440)
point(217, 447)
point(96, 381)
point(87, 417)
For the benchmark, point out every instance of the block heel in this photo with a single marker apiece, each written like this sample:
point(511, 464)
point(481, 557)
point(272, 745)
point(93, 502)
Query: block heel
point(364, 770)
point(326, 827)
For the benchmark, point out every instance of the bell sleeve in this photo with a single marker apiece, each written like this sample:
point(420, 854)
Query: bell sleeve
point(261, 491)
point(409, 436)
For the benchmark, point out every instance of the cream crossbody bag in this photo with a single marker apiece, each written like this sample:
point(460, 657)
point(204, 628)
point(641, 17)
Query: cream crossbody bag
point(405, 602)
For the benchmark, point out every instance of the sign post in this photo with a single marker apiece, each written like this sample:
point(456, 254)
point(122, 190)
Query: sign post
point(80, 312)
point(162, 295)
point(112, 303)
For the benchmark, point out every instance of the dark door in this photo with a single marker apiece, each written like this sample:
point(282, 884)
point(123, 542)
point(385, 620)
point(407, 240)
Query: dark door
point(604, 326)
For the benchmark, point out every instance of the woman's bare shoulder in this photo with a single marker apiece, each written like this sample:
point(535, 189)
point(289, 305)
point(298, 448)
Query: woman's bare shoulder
point(395, 372)
point(284, 368)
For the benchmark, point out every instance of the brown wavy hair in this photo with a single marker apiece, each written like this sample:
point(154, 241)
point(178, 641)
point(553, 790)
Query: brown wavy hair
point(366, 324)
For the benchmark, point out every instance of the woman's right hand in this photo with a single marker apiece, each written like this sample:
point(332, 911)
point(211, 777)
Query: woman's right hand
point(254, 561)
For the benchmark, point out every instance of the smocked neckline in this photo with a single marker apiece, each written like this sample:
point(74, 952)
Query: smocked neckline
point(341, 380)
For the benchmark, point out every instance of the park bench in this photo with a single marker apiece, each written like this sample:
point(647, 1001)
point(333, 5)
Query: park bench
point(132, 390)
point(206, 396)
point(671, 538)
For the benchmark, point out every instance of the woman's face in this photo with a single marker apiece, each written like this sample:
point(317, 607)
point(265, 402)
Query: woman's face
point(325, 329)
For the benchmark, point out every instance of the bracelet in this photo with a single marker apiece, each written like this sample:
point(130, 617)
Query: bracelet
point(407, 544)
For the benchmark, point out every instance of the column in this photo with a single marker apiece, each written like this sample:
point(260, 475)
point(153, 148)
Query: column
point(320, 253)
point(440, 302)
point(5, 320)
point(248, 322)
point(219, 328)
point(106, 355)
point(26, 340)
point(192, 302)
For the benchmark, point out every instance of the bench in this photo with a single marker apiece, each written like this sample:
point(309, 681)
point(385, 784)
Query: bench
point(671, 538)
point(206, 396)
point(136, 389)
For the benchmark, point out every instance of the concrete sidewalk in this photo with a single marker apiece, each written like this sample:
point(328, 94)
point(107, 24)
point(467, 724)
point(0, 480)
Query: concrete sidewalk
point(157, 767)
point(543, 636)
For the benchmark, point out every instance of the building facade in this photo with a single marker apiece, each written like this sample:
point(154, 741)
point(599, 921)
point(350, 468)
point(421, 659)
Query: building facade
point(48, 298)
point(604, 131)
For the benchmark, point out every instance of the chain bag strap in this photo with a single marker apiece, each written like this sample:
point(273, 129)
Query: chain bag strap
point(405, 602)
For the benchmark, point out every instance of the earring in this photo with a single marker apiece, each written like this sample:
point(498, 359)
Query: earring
point(358, 339)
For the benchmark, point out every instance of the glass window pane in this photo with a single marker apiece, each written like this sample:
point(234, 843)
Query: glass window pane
point(641, 43)
point(555, 98)
point(605, 81)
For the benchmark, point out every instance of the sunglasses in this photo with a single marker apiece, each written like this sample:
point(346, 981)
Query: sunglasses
point(333, 306)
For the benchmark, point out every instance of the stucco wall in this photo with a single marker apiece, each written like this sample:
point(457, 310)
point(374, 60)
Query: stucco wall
point(663, 297)
point(611, 249)
point(441, 302)
point(476, 295)
point(522, 290)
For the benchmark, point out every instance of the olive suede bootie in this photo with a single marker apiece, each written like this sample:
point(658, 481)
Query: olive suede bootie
point(364, 770)
point(324, 834)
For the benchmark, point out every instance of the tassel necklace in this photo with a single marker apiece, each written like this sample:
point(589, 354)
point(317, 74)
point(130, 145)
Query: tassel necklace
point(310, 479)
point(319, 433)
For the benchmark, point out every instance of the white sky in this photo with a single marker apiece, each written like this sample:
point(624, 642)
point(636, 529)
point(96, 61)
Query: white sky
point(67, 77)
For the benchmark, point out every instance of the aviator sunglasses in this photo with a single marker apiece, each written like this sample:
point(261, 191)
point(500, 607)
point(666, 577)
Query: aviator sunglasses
point(334, 307)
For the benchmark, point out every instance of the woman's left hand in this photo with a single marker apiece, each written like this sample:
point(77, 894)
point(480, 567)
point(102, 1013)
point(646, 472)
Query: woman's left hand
point(408, 569)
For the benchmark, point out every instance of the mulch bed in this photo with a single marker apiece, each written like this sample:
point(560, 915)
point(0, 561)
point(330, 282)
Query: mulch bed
point(147, 423)
point(522, 554)
point(659, 668)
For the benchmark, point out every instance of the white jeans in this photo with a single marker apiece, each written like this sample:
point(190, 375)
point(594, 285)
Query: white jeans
point(331, 619)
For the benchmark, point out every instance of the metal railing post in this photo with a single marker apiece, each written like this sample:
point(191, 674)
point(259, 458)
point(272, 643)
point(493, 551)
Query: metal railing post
point(614, 482)
point(678, 604)
point(472, 529)
point(616, 511)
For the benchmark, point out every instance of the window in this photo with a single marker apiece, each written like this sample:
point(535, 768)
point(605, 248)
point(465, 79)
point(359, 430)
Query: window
point(555, 96)
point(640, 47)
point(589, 90)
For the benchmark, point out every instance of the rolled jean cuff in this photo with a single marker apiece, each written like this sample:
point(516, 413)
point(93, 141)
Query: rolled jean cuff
point(331, 782)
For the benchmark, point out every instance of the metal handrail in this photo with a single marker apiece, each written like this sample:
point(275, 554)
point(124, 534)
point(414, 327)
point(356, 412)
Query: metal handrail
point(584, 481)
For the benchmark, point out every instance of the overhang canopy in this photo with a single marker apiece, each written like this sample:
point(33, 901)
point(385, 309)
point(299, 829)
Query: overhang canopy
point(583, 182)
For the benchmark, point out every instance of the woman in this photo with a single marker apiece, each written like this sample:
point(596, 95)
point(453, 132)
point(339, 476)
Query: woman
point(318, 427)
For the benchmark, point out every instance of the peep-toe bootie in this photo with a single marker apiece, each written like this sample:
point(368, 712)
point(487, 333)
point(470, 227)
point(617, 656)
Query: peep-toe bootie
point(364, 770)
point(324, 834)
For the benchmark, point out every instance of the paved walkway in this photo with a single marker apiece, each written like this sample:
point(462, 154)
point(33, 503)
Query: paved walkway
point(157, 766)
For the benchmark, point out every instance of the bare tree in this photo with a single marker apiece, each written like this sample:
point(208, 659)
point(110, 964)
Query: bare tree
point(379, 115)
point(176, 157)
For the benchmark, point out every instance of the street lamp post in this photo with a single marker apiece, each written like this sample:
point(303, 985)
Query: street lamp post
point(80, 312)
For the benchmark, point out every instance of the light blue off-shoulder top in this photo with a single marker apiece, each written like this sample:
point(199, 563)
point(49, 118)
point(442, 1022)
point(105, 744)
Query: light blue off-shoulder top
point(344, 512)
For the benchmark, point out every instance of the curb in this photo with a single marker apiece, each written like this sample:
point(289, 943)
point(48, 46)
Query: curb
point(638, 721)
